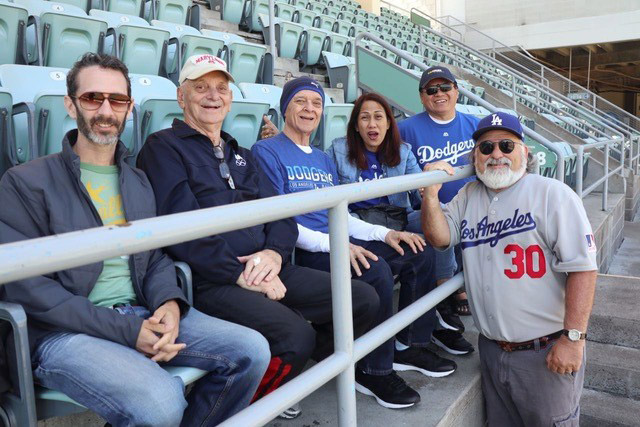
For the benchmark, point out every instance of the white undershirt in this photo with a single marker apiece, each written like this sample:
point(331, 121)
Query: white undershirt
point(317, 241)
point(442, 122)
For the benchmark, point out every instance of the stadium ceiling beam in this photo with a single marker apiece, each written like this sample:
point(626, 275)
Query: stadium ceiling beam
point(564, 51)
point(618, 57)
point(590, 48)
point(607, 47)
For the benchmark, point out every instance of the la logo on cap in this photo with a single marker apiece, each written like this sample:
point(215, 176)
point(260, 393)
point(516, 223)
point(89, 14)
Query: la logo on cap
point(495, 120)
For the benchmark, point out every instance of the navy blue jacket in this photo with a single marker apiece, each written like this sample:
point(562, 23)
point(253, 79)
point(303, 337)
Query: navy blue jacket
point(185, 176)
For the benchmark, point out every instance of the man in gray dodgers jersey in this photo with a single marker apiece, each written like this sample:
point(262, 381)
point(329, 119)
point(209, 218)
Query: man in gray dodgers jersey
point(530, 269)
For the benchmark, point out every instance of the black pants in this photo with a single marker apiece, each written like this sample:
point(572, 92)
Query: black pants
point(416, 277)
point(286, 323)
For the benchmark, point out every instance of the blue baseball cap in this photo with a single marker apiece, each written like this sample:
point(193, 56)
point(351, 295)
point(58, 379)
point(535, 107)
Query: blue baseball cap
point(499, 120)
point(296, 85)
point(436, 73)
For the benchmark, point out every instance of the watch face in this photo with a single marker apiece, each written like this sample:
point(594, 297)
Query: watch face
point(574, 335)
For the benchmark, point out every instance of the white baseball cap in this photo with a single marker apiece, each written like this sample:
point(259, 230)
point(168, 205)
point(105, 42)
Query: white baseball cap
point(199, 65)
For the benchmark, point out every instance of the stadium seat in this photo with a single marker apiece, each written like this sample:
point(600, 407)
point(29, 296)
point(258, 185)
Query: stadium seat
point(284, 11)
point(325, 22)
point(61, 33)
point(339, 43)
point(141, 47)
point(245, 120)
point(8, 155)
point(41, 131)
point(304, 17)
point(85, 5)
point(312, 42)
point(269, 93)
point(287, 36)
point(335, 119)
point(186, 41)
point(246, 61)
point(13, 22)
point(127, 7)
point(332, 11)
point(176, 11)
point(36, 402)
point(155, 107)
point(341, 71)
point(252, 10)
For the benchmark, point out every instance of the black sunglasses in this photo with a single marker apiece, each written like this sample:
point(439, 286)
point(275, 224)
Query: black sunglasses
point(225, 173)
point(432, 90)
point(505, 145)
point(92, 101)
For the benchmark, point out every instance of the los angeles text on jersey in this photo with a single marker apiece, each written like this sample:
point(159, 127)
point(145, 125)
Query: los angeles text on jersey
point(450, 153)
point(492, 232)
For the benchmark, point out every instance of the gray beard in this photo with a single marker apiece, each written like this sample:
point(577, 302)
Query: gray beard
point(103, 140)
point(497, 180)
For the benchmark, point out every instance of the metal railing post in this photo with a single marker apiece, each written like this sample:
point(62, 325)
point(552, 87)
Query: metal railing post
point(272, 30)
point(342, 320)
point(605, 188)
point(579, 160)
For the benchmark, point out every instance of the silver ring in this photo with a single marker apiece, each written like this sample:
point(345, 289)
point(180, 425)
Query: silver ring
point(256, 260)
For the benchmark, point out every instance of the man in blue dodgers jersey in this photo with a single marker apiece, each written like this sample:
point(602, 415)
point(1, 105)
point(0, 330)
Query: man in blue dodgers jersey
point(530, 267)
point(376, 253)
point(442, 133)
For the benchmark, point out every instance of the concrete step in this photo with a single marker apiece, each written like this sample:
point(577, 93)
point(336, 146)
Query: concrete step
point(287, 64)
point(626, 261)
point(615, 318)
point(613, 369)
point(280, 77)
point(210, 20)
point(599, 409)
point(455, 400)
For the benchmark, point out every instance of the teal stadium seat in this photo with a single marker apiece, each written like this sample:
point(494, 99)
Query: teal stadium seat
point(141, 47)
point(186, 41)
point(325, 22)
point(284, 11)
point(317, 7)
point(155, 106)
point(341, 71)
point(230, 10)
point(312, 42)
point(287, 36)
point(61, 33)
point(332, 11)
point(268, 93)
point(7, 148)
point(339, 43)
point(246, 61)
point(82, 4)
point(335, 119)
point(36, 402)
point(300, 3)
point(127, 7)
point(305, 17)
point(176, 11)
point(13, 24)
point(252, 10)
point(245, 119)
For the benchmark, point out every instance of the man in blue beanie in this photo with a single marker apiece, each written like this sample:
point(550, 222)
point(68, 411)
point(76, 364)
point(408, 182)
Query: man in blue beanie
point(376, 253)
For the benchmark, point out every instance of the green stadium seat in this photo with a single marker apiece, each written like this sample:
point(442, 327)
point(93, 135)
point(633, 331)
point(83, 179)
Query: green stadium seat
point(325, 22)
point(360, 20)
point(61, 33)
point(155, 106)
point(357, 29)
point(287, 36)
point(304, 17)
point(317, 7)
point(186, 41)
point(339, 43)
point(284, 11)
point(300, 3)
point(332, 11)
point(312, 42)
point(85, 5)
point(245, 60)
point(252, 9)
point(176, 11)
point(341, 71)
point(141, 47)
point(230, 10)
point(265, 93)
point(335, 119)
point(8, 155)
point(245, 120)
point(13, 24)
point(343, 27)
point(127, 7)
point(347, 16)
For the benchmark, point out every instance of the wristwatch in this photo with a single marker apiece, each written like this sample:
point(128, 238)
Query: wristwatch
point(574, 334)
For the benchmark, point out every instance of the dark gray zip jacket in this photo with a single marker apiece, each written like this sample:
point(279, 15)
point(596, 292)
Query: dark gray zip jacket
point(46, 197)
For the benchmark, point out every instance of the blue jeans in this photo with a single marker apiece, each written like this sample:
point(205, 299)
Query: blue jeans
point(445, 261)
point(127, 388)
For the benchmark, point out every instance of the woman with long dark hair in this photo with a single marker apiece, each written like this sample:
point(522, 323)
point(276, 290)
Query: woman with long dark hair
point(373, 149)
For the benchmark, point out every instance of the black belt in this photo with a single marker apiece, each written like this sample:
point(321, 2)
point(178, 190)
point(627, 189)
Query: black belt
point(541, 342)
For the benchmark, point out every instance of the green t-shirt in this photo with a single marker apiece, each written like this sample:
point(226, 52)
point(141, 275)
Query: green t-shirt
point(114, 284)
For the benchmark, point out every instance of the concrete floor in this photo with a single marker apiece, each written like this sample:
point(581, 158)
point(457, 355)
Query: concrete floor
point(627, 260)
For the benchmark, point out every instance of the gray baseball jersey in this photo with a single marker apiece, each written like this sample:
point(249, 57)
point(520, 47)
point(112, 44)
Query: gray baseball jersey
point(517, 247)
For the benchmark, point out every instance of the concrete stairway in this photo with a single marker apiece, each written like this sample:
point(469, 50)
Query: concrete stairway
point(612, 381)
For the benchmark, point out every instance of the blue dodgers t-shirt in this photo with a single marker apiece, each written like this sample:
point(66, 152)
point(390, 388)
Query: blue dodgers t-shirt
point(451, 142)
point(291, 170)
point(373, 172)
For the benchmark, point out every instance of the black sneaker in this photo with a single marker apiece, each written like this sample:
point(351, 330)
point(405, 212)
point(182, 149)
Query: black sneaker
point(291, 413)
point(389, 390)
point(448, 318)
point(424, 361)
point(451, 342)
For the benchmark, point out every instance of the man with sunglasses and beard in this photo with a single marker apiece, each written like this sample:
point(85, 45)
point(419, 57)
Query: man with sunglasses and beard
point(100, 332)
point(530, 269)
point(244, 276)
point(440, 133)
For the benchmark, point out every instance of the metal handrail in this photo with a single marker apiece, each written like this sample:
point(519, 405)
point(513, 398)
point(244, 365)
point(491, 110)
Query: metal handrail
point(544, 70)
point(475, 98)
point(419, 12)
point(28, 258)
point(604, 180)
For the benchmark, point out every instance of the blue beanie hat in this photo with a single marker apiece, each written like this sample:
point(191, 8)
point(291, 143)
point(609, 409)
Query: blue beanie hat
point(296, 85)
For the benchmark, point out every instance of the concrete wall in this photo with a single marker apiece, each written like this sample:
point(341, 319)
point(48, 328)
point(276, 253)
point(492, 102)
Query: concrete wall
point(607, 226)
point(632, 203)
point(553, 23)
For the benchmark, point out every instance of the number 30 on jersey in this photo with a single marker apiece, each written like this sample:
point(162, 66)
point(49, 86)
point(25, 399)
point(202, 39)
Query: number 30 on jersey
point(529, 261)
